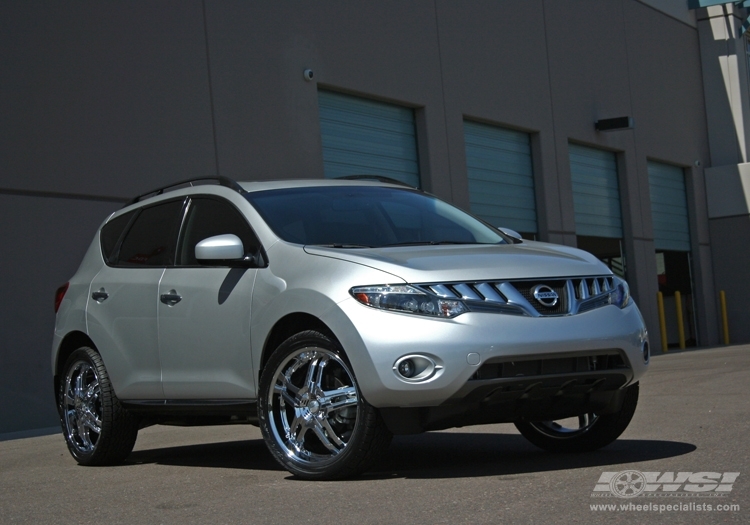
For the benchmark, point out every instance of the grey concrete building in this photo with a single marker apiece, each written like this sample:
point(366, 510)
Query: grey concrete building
point(490, 105)
point(725, 56)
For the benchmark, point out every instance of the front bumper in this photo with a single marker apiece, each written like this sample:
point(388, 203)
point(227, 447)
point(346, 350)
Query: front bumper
point(461, 346)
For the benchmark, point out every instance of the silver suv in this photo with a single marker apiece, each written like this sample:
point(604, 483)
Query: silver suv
point(334, 314)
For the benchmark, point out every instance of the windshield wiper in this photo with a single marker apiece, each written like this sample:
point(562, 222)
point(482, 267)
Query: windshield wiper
point(342, 245)
point(427, 243)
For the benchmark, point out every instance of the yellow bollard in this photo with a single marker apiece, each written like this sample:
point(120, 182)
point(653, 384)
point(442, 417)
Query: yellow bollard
point(724, 320)
point(662, 321)
point(680, 324)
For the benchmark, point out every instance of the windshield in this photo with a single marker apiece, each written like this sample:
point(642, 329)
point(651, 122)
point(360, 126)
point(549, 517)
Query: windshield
point(367, 216)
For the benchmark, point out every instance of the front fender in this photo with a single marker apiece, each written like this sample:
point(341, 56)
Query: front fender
point(287, 290)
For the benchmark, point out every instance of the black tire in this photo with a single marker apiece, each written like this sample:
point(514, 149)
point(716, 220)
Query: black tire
point(97, 429)
point(312, 414)
point(594, 431)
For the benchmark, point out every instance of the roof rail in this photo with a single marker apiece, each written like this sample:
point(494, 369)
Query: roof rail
point(222, 181)
point(379, 178)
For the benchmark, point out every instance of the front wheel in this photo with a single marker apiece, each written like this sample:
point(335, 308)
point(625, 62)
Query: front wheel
point(582, 433)
point(97, 429)
point(312, 414)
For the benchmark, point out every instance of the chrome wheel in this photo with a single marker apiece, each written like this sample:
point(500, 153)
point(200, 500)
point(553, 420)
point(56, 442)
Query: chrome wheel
point(82, 407)
point(97, 429)
point(311, 412)
point(566, 428)
point(312, 406)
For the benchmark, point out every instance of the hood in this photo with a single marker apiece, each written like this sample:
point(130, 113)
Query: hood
point(476, 262)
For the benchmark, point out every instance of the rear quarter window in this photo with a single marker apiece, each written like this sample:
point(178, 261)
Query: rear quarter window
point(152, 240)
point(111, 233)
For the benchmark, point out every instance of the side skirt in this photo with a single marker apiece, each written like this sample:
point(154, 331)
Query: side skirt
point(193, 412)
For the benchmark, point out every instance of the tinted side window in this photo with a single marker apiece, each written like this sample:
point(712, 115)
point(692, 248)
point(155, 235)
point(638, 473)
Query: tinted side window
point(152, 239)
point(208, 217)
point(111, 233)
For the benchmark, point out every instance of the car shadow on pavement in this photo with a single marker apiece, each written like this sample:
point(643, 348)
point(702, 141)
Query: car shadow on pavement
point(431, 455)
point(458, 454)
point(249, 454)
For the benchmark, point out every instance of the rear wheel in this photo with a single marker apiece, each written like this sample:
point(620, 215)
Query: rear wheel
point(582, 433)
point(97, 429)
point(312, 414)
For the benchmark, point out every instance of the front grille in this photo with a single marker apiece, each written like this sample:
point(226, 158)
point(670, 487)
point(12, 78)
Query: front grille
point(592, 286)
point(591, 304)
point(526, 288)
point(575, 295)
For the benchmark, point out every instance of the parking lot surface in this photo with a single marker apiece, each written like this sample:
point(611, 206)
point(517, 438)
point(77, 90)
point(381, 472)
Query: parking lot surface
point(693, 417)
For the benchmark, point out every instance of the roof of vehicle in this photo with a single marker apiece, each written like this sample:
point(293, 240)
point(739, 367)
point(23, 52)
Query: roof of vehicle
point(253, 186)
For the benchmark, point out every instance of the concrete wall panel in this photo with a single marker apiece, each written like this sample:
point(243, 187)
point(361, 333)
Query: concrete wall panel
point(266, 113)
point(43, 242)
point(728, 190)
point(103, 98)
point(729, 241)
point(587, 51)
point(720, 68)
point(494, 72)
point(702, 267)
point(666, 81)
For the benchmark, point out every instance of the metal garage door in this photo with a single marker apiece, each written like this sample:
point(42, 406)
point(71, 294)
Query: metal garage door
point(501, 180)
point(596, 193)
point(362, 136)
point(669, 207)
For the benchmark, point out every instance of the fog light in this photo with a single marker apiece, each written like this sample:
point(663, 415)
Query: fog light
point(646, 352)
point(406, 368)
point(416, 368)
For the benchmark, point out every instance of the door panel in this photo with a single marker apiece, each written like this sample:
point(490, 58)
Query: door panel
point(124, 328)
point(121, 311)
point(204, 310)
point(204, 337)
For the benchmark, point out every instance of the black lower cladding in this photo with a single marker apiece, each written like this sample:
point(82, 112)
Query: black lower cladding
point(530, 389)
point(194, 412)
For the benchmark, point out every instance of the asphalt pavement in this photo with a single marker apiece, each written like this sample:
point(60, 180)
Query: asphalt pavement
point(690, 432)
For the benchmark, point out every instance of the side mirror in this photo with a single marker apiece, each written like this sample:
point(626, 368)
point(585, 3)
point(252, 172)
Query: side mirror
point(227, 247)
point(512, 233)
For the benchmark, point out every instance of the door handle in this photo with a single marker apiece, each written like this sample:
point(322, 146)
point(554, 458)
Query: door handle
point(100, 296)
point(171, 298)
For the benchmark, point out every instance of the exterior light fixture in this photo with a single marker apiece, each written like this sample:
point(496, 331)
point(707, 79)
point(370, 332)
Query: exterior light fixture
point(614, 124)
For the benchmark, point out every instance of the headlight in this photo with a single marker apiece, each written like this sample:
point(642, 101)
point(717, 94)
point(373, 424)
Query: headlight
point(620, 295)
point(407, 299)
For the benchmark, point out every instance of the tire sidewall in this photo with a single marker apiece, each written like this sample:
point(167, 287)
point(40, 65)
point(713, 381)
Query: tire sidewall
point(82, 355)
point(300, 341)
point(119, 428)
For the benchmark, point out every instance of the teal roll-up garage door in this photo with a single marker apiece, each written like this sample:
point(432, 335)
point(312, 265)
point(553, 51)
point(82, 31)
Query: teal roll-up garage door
point(361, 136)
point(501, 180)
point(596, 192)
point(669, 207)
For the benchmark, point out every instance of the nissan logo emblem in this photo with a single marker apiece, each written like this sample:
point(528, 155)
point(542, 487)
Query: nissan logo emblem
point(545, 295)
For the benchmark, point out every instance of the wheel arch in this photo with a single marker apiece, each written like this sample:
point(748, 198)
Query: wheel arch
point(70, 343)
point(286, 327)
